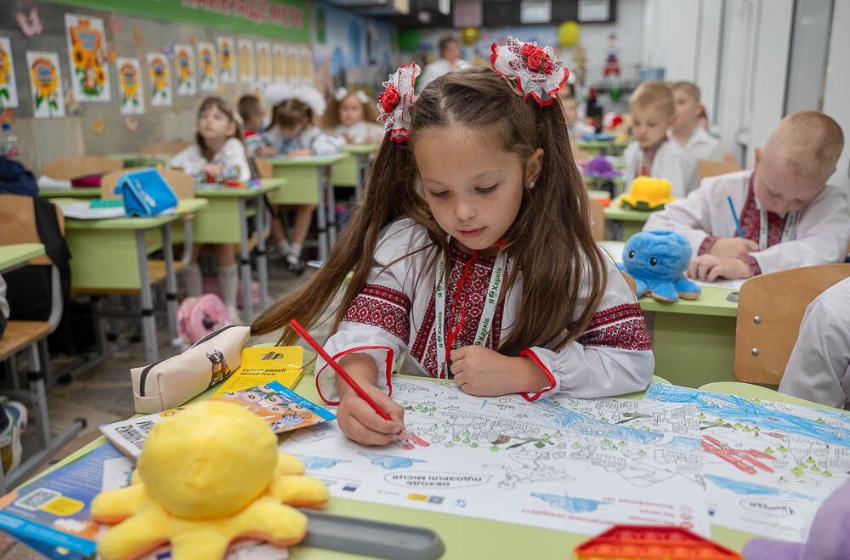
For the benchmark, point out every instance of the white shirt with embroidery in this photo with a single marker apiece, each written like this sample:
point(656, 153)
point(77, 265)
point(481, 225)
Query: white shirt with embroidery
point(438, 68)
point(230, 156)
point(311, 138)
point(701, 144)
point(671, 162)
point(361, 132)
point(392, 320)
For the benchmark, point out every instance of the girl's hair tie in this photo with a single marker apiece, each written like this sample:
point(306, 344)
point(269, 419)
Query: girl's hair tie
point(535, 71)
point(396, 100)
point(342, 93)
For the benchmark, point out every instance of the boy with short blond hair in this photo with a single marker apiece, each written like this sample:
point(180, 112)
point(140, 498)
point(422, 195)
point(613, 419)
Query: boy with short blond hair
point(652, 154)
point(789, 215)
point(686, 131)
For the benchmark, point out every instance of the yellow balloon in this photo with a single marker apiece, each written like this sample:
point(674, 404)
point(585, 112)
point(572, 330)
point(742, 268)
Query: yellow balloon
point(470, 35)
point(568, 33)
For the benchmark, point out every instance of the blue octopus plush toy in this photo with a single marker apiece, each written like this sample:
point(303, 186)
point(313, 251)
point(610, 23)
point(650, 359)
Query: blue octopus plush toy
point(657, 260)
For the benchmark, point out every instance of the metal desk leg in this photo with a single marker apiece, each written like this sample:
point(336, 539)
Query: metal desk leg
point(245, 263)
point(360, 160)
point(170, 280)
point(322, 216)
point(329, 188)
point(262, 263)
point(148, 320)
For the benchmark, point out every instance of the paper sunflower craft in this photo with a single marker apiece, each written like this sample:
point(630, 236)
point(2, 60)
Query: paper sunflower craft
point(648, 193)
point(206, 477)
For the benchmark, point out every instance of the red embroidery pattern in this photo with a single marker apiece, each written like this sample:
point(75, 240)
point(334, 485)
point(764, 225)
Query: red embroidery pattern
point(645, 167)
point(622, 326)
point(707, 244)
point(751, 221)
point(424, 347)
point(751, 262)
point(381, 307)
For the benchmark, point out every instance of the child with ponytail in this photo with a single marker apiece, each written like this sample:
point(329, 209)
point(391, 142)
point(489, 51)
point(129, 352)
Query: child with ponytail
point(472, 254)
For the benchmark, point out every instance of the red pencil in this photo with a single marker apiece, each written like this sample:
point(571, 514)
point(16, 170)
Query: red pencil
point(337, 368)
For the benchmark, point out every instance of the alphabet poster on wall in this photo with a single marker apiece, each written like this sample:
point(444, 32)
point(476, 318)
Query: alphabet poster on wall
point(207, 63)
point(160, 76)
point(226, 60)
point(279, 73)
point(247, 70)
point(46, 85)
point(88, 55)
point(293, 63)
point(306, 65)
point(8, 85)
point(130, 91)
point(264, 62)
point(184, 64)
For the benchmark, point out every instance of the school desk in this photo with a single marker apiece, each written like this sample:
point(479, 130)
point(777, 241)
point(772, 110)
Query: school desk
point(141, 160)
point(468, 537)
point(627, 221)
point(13, 256)
point(310, 183)
point(111, 255)
point(225, 220)
point(82, 192)
point(603, 147)
point(352, 171)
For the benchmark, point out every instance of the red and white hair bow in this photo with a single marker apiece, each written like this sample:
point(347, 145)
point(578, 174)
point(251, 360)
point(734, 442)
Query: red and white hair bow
point(536, 71)
point(395, 102)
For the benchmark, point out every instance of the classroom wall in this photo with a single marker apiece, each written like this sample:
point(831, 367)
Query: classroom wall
point(77, 134)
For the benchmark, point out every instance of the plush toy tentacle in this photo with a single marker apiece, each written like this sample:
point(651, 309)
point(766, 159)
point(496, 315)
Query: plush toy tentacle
point(269, 520)
point(113, 506)
point(288, 464)
point(664, 291)
point(203, 544)
point(641, 287)
point(137, 535)
point(299, 491)
point(687, 289)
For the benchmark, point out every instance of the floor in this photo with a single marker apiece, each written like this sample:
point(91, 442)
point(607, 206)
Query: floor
point(104, 394)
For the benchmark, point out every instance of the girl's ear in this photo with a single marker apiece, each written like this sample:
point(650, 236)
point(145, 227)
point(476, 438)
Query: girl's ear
point(231, 129)
point(533, 166)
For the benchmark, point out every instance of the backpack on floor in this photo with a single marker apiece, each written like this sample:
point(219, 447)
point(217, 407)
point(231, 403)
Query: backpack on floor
point(199, 316)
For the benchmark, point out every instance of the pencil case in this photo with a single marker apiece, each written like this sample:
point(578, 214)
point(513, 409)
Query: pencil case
point(172, 382)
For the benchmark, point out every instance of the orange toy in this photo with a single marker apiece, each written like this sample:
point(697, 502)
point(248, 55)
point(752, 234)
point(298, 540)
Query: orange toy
point(640, 542)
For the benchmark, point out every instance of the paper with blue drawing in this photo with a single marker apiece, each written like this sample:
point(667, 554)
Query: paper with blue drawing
point(678, 456)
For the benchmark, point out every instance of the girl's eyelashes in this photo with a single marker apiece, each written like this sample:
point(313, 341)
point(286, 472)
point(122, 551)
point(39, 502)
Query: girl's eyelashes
point(486, 190)
point(438, 194)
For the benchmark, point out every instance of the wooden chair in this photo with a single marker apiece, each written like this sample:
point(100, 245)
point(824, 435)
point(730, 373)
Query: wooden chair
point(708, 168)
point(17, 225)
point(729, 157)
point(770, 309)
point(73, 167)
point(165, 148)
point(597, 214)
point(264, 167)
point(629, 280)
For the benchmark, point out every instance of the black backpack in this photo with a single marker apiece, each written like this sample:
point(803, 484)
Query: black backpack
point(16, 179)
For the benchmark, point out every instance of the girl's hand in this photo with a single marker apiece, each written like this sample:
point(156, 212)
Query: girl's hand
point(484, 372)
point(300, 153)
point(360, 423)
point(266, 151)
point(213, 170)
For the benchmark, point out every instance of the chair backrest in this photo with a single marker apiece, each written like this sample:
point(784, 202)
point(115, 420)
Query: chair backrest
point(182, 184)
point(729, 157)
point(72, 167)
point(597, 213)
point(166, 148)
point(629, 280)
point(264, 168)
point(770, 309)
point(17, 223)
point(708, 168)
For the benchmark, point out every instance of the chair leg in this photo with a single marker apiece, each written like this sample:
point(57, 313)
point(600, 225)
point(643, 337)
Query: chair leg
point(39, 397)
point(13, 372)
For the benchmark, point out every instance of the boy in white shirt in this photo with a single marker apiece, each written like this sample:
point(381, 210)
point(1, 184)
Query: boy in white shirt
point(789, 216)
point(686, 131)
point(652, 154)
point(819, 367)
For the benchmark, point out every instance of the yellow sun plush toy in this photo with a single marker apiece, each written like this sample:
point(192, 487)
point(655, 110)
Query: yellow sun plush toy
point(206, 477)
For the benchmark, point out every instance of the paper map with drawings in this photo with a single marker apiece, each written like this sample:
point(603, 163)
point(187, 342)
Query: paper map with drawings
point(509, 460)
point(679, 456)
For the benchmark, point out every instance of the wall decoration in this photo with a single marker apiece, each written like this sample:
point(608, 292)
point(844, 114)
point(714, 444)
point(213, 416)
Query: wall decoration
point(264, 62)
point(130, 93)
point(46, 85)
point(115, 23)
point(88, 55)
point(226, 60)
point(131, 124)
point(307, 73)
point(184, 64)
point(247, 70)
point(207, 63)
point(72, 106)
point(137, 36)
point(30, 24)
point(279, 73)
point(293, 63)
point(160, 76)
point(8, 85)
point(97, 126)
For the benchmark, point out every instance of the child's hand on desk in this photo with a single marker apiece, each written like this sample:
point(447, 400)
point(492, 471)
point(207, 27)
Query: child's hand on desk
point(731, 247)
point(300, 153)
point(484, 372)
point(213, 170)
point(359, 422)
point(709, 268)
point(266, 151)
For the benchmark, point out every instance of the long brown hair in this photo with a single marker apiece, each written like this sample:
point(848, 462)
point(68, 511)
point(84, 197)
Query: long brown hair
point(224, 107)
point(550, 242)
point(290, 114)
point(330, 120)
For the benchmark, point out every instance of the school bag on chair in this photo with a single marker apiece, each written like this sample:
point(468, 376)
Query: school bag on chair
point(146, 193)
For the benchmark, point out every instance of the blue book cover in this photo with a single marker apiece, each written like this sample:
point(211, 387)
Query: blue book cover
point(54, 509)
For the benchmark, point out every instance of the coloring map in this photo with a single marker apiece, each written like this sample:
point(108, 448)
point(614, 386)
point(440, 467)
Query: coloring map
point(677, 457)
